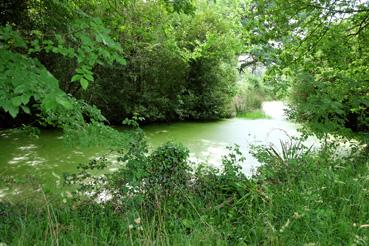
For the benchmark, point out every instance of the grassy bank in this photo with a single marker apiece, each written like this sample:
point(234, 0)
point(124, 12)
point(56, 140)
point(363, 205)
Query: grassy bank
point(298, 198)
point(251, 93)
point(253, 115)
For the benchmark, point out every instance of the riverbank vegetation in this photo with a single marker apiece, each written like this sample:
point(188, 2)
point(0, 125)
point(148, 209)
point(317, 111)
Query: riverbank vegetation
point(297, 197)
point(82, 66)
point(253, 115)
point(251, 93)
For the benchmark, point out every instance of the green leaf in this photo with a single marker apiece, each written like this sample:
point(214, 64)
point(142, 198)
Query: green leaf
point(13, 111)
point(121, 60)
point(64, 102)
point(84, 83)
point(16, 101)
point(26, 109)
point(49, 103)
point(89, 77)
point(25, 99)
point(76, 77)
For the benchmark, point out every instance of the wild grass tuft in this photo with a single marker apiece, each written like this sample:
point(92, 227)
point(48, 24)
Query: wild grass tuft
point(253, 115)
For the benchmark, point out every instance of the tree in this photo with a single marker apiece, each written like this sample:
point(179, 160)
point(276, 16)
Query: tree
point(179, 66)
point(54, 31)
point(25, 82)
point(316, 49)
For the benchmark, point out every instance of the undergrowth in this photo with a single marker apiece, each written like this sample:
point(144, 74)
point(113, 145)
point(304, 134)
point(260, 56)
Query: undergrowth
point(297, 197)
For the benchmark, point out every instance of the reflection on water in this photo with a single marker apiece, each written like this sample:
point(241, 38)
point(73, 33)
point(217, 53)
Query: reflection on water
point(47, 158)
point(275, 109)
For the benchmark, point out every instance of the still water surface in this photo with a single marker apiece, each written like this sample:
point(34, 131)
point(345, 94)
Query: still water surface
point(47, 157)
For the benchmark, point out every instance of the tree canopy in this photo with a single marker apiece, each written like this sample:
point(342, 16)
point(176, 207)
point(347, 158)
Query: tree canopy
point(162, 60)
point(175, 60)
point(316, 52)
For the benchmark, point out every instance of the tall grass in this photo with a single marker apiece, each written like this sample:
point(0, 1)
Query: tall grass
point(249, 99)
point(299, 197)
point(251, 93)
point(253, 115)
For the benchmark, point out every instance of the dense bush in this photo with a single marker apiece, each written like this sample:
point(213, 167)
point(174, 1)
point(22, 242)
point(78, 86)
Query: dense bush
point(315, 53)
point(333, 96)
point(161, 60)
point(179, 66)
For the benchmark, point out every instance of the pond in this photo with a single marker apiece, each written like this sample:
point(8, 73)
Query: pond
point(46, 158)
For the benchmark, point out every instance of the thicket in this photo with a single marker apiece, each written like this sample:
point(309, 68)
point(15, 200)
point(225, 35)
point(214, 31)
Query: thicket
point(179, 66)
point(316, 54)
point(161, 60)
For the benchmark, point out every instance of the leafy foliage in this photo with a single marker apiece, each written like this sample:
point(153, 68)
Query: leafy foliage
point(183, 67)
point(181, 60)
point(25, 82)
point(23, 78)
point(317, 50)
point(179, 66)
